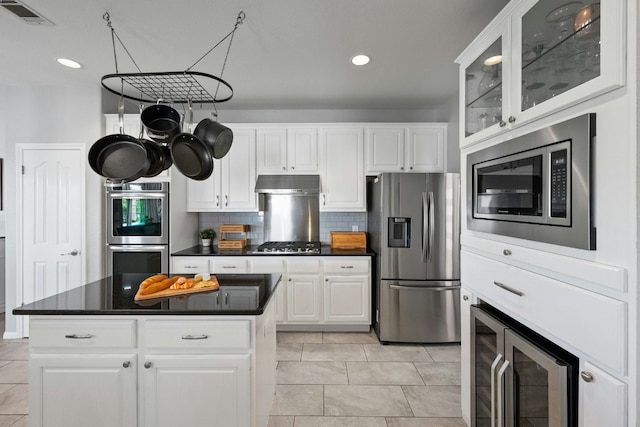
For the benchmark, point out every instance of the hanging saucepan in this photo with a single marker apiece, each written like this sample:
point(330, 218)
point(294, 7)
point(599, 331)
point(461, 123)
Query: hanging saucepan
point(161, 121)
point(168, 161)
point(155, 154)
point(119, 157)
point(190, 155)
point(216, 136)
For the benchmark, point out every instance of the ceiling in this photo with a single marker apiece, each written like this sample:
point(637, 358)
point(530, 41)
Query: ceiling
point(287, 54)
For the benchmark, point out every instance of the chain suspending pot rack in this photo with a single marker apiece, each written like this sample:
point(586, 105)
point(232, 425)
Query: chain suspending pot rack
point(180, 87)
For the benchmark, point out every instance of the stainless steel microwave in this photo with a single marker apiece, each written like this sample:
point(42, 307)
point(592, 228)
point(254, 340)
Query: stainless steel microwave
point(536, 186)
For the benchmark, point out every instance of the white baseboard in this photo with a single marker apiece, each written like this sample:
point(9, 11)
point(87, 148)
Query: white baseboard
point(8, 335)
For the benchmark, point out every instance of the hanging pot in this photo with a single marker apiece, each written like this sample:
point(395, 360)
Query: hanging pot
point(119, 157)
point(155, 154)
point(168, 161)
point(191, 156)
point(161, 121)
point(216, 136)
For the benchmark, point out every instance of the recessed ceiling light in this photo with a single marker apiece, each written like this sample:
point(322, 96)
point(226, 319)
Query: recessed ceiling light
point(68, 63)
point(493, 60)
point(360, 60)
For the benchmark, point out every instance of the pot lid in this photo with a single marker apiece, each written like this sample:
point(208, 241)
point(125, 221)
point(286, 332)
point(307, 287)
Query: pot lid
point(288, 184)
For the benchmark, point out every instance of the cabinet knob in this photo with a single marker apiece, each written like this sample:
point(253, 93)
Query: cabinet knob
point(226, 200)
point(284, 168)
point(217, 200)
point(586, 376)
point(401, 168)
point(465, 297)
point(502, 123)
point(411, 167)
point(126, 364)
point(293, 167)
point(512, 119)
point(147, 365)
point(289, 278)
point(506, 252)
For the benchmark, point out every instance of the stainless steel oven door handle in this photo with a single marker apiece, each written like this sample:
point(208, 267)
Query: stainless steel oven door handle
point(494, 365)
point(500, 394)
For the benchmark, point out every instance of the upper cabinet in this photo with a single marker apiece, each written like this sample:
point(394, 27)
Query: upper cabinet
point(231, 187)
point(342, 169)
point(414, 148)
point(287, 150)
point(538, 57)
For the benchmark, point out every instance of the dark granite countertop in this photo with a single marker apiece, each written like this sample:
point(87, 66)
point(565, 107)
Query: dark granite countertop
point(251, 251)
point(115, 296)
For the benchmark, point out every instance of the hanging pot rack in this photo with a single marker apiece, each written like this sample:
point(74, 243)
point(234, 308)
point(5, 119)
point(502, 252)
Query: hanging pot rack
point(180, 87)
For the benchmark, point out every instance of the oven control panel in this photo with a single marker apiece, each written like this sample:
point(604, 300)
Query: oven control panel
point(559, 183)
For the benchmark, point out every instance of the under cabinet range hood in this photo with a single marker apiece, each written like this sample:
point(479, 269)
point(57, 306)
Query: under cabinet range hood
point(291, 207)
point(288, 184)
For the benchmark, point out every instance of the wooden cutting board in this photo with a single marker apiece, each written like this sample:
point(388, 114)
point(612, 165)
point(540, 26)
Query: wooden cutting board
point(177, 292)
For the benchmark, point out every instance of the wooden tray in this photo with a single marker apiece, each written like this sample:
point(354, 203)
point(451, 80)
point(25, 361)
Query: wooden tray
point(177, 292)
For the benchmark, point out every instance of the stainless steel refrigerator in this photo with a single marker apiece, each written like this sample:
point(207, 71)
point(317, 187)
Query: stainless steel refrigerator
point(413, 221)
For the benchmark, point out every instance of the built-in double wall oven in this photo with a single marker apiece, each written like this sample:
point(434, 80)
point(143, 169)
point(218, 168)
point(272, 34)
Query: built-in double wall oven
point(137, 228)
point(537, 186)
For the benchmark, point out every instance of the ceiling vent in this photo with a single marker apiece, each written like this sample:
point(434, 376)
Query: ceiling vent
point(24, 12)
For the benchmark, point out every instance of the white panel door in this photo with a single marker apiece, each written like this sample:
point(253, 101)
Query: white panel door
point(83, 390)
point(302, 150)
point(197, 390)
point(271, 148)
point(52, 210)
point(384, 149)
point(425, 148)
point(346, 299)
point(603, 398)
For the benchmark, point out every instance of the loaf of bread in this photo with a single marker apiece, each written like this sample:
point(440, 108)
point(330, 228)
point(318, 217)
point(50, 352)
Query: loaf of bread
point(151, 280)
point(159, 286)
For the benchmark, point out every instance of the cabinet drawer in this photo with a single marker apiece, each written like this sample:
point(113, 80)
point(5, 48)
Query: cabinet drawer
point(174, 335)
point(74, 335)
point(229, 265)
point(304, 266)
point(590, 322)
point(339, 265)
point(180, 265)
point(267, 265)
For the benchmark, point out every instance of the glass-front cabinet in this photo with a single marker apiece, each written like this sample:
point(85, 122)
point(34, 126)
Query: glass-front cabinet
point(538, 57)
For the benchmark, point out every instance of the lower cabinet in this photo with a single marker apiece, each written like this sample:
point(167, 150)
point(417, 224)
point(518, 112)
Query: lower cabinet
point(346, 299)
point(602, 398)
point(77, 390)
point(193, 390)
point(152, 371)
point(304, 298)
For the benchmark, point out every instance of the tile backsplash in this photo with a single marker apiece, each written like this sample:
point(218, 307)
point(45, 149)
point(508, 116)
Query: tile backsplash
point(329, 221)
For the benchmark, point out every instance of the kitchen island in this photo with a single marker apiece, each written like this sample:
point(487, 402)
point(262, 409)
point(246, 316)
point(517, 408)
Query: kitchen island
point(97, 357)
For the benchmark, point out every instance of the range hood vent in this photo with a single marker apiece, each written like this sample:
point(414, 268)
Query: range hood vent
point(288, 184)
point(24, 13)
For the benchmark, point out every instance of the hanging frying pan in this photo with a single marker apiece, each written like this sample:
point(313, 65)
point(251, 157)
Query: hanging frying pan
point(216, 136)
point(155, 154)
point(191, 157)
point(119, 157)
point(161, 121)
point(168, 161)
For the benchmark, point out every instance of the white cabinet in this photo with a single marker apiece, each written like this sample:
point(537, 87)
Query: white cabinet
point(228, 265)
point(287, 150)
point(466, 299)
point(419, 148)
point(76, 390)
point(231, 187)
point(603, 398)
point(183, 370)
point(347, 290)
point(538, 57)
point(216, 387)
point(342, 169)
point(304, 290)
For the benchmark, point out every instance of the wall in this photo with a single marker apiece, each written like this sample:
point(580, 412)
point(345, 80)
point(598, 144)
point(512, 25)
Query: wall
point(329, 221)
point(3, 155)
point(51, 115)
point(449, 113)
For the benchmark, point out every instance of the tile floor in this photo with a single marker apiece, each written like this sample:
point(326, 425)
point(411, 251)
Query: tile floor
point(351, 380)
point(14, 356)
point(324, 380)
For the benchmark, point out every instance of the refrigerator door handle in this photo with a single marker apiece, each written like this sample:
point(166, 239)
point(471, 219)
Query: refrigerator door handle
point(424, 288)
point(425, 226)
point(432, 220)
point(494, 365)
point(500, 396)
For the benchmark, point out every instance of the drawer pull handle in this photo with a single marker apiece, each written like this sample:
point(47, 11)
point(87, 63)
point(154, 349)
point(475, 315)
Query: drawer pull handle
point(229, 266)
point(346, 266)
point(191, 266)
point(506, 252)
point(78, 336)
point(126, 364)
point(195, 337)
point(507, 288)
point(586, 376)
point(147, 365)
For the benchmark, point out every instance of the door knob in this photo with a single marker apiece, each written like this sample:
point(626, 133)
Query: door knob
point(72, 253)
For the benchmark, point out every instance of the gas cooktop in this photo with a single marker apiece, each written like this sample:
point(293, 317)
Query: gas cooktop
point(288, 247)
